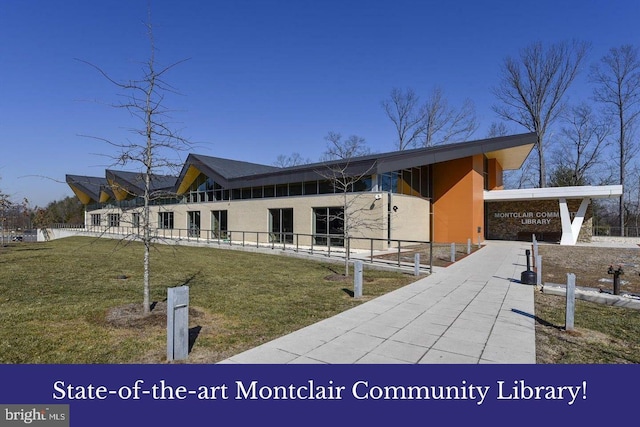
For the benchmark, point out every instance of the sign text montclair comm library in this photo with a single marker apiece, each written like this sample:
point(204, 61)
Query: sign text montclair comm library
point(526, 218)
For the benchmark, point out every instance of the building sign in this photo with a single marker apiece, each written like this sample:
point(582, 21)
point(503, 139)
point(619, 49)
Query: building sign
point(519, 220)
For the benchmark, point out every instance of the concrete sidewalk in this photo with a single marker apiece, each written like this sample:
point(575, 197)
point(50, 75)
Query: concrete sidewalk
point(474, 311)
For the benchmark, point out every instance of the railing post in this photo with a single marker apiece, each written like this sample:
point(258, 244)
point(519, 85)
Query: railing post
point(243, 239)
point(371, 240)
point(430, 256)
point(398, 253)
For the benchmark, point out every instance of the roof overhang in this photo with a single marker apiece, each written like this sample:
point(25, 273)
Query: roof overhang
point(511, 158)
point(555, 193)
point(86, 188)
point(510, 151)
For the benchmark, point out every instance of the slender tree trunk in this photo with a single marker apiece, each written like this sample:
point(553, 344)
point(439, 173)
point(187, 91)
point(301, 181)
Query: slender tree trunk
point(346, 234)
point(541, 164)
point(621, 203)
point(147, 187)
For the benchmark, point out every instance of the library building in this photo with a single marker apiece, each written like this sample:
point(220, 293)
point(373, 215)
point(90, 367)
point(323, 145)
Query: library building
point(445, 194)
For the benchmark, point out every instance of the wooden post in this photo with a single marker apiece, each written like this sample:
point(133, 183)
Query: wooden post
point(571, 301)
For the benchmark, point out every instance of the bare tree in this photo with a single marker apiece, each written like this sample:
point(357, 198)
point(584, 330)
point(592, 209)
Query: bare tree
point(444, 123)
point(345, 178)
point(497, 129)
point(295, 159)
point(617, 80)
point(5, 204)
point(433, 122)
point(154, 139)
point(407, 115)
point(338, 148)
point(533, 86)
point(581, 143)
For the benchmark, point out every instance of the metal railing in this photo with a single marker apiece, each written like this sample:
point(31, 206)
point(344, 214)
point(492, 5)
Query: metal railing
point(373, 250)
point(612, 231)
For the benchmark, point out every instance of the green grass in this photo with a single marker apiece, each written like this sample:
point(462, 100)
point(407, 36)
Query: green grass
point(55, 298)
point(602, 334)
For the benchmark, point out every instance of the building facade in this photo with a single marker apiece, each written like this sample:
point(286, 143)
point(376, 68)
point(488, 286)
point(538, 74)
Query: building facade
point(428, 194)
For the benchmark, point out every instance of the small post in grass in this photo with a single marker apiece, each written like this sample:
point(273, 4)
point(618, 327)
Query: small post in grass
point(539, 270)
point(453, 252)
point(177, 323)
point(357, 279)
point(571, 301)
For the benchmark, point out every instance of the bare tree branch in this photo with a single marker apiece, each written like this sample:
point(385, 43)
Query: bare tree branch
point(533, 86)
point(144, 100)
point(617, 80)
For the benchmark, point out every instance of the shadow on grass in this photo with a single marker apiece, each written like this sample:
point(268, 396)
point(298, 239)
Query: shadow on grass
point(189, 279)
point(39, 248)
point(537, 319)
point(193, 336)
point(348, 292)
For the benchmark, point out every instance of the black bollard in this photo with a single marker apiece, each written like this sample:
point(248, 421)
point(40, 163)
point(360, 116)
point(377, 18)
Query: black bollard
point(528, 277)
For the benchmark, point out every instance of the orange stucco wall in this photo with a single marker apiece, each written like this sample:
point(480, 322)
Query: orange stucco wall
point(495, 175)
point(458, 205)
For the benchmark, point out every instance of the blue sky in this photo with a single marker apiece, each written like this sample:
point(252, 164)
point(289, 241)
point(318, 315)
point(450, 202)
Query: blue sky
point(263, 77)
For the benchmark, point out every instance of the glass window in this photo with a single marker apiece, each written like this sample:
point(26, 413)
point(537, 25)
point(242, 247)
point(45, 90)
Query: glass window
point(389, 182)
point(311, 187)
point(269, 191)
point(329, 226)
point(193, 225)
point(96, 219)
point(135, 220)
point(114, 220)
point(281, 225)
point(363, 184)
point(219, 224)
point(295, 189)
point(282, 190)
point(165, 220)
point(325, 187)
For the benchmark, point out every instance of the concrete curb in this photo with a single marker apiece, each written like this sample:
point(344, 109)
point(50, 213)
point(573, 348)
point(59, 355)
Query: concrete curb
point(593, 296)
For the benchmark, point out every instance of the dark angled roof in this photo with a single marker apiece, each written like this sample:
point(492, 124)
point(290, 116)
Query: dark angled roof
point(511, 151)
point(89, 185)
point(133, 182)
point(222, 170)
